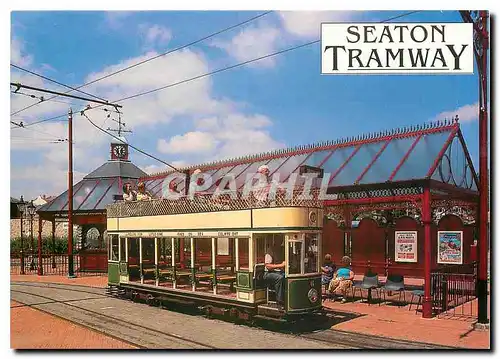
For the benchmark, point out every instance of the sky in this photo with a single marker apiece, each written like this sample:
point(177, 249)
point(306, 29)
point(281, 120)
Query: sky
point(278, 102)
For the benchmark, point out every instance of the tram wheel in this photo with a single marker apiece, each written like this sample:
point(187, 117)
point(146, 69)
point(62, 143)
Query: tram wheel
point(150, 300)
point(134, 296)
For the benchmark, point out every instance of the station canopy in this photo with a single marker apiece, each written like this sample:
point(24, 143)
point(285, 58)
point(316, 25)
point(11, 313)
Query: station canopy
point(433, 152)
point(97, 189)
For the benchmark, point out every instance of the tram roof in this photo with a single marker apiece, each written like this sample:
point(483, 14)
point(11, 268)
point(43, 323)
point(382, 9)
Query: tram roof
point(435, 151)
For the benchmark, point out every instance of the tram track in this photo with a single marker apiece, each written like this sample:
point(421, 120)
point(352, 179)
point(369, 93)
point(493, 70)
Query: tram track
point(94, 324)
point(137, 335)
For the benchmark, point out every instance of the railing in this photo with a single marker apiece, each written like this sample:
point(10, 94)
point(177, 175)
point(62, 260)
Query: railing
point(210, 203)
point(53, 264)
point(453, 291)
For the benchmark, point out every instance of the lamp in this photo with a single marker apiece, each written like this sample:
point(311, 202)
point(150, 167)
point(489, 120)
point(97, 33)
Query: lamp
point(31, 209)
point(21, 206)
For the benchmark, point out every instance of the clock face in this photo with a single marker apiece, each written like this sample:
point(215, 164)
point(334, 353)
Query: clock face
point(119, 151)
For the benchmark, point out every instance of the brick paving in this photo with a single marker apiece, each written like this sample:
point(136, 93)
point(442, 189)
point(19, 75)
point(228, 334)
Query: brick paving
point(91, 281)
point(385, 320)
point(400, 323)
point(32, 329)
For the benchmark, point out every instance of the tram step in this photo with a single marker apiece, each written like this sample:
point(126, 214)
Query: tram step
point(274, 319)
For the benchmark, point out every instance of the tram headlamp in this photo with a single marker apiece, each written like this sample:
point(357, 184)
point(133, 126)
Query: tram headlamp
point(312, 295)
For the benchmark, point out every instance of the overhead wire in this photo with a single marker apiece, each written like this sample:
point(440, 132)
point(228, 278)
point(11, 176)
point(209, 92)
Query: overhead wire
point(82, 113)
point(220, 70)
point(140, 62)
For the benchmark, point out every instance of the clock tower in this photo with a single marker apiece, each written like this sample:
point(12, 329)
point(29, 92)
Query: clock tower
point(119, 150)
point(119, 145)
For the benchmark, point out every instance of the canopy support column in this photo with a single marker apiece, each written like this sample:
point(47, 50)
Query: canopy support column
point(40, 226)
point(426, 218)
point(53, 242)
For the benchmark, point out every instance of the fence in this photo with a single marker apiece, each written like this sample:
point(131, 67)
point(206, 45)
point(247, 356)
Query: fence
point(453, 291)
point(53, 264)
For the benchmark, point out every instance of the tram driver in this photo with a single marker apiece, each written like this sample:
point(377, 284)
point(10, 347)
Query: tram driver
point(273, 274)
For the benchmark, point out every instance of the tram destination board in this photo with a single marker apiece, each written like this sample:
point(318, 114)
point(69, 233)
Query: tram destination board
point(178, 234)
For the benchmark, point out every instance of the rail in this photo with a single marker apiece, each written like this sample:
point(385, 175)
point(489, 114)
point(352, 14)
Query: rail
point(210, 203)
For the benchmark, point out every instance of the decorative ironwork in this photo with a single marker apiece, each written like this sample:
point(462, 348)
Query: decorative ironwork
point(466, 211)
point(209, 203)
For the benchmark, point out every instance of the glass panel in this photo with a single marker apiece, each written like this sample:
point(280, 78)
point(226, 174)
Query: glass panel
point(223, 246)
point(269, 243)
point(114, 247)
point(243, 255)
point(218, 175)
point(260, 248)
point(82, 192)
point(249, 170)
point(291, 165)
point(294, 257)
point(356, 165)
point(390, 158)
point(421, 159)
point(96, 195)
point(122, 250)
point(311, 260)
point(106, 199)
point(339, 156)
point(58, 203)
point(92, 238)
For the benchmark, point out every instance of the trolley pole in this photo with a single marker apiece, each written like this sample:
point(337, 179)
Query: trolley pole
point(71, 273)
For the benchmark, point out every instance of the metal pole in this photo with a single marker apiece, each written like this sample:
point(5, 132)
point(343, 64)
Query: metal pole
point(482, 281)
point(53, 243)
point(22, 244)
point(40, 269)
point(71, 273)
point(32, 264)
point(426, 219)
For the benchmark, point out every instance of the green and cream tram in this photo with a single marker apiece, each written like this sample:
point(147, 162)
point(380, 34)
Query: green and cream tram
point(210, 257)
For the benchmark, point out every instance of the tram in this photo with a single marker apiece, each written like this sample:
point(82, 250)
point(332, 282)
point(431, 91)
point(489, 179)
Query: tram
point(199, 253)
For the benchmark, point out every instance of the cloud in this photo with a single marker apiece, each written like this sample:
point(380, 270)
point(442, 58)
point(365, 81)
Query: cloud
point(224, 137)
point(155, 35)
point(115, 19)
point(466, 113)
point(307, 24)
point(252, 42)
point(191, 142)
point(18, 55)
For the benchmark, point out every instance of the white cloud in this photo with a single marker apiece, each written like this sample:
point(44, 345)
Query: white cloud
point(115, 19)
point(307, 24)
point(251, 43)
point(155, 35)
point(17, 55)
point(466, 113)
point(191, 142)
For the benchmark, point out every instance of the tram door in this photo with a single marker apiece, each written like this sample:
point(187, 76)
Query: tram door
point(123, 259)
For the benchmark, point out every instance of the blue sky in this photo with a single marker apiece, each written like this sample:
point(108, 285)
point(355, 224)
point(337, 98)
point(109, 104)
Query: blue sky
point(275, 103)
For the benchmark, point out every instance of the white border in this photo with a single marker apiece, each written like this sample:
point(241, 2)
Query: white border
point(461, 246)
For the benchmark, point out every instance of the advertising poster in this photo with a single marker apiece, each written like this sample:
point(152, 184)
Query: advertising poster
point(450, 247)
point(406, 246)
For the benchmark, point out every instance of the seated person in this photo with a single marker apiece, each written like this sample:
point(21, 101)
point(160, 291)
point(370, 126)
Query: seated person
point(327, 270)
point(142, 195)
point(342, 279)
point(273, 275)
point(128, 194)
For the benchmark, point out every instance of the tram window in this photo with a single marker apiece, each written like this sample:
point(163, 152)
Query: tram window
point(133, 251)
point(273, 242)
point(114, 247)
point(148, 250)
point(311, 254)
point(122, 249)
point(223, 246)
point(260, 246)
point(203, 257)
point(294, 257)
point(164, 252)
point(243, 253)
